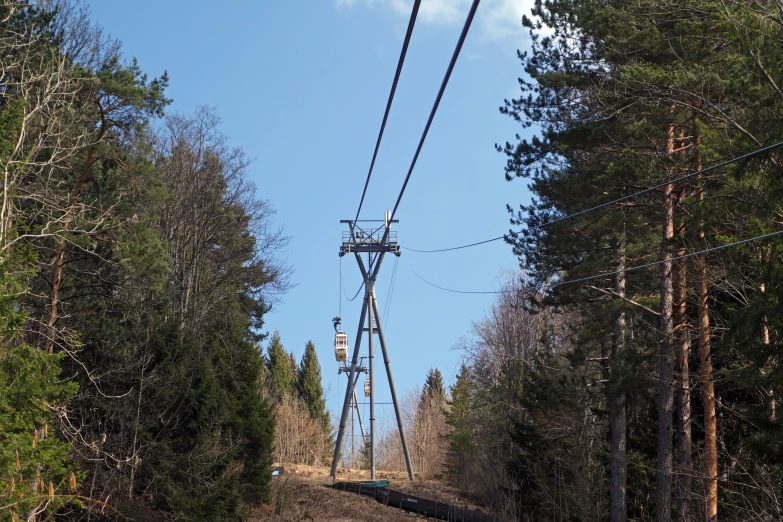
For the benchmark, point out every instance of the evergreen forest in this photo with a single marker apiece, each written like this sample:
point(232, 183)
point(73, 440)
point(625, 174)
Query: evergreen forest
point(137, 263)
point(628, 371)
point(631, 371)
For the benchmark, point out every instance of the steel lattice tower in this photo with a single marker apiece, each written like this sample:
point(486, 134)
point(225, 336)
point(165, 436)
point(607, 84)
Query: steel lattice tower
point(370, 237)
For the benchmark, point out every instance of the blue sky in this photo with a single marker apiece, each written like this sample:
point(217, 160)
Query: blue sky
point(301, 86)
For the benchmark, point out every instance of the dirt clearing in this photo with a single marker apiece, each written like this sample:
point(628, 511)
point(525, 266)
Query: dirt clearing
point(300, 494)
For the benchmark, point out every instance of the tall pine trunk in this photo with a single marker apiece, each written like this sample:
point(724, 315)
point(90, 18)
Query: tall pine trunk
point(682, 417)
point(663, 477)
point(617, 411)
point(705, 363)
point(57, 265)
point(54, 294)
point(682, 430)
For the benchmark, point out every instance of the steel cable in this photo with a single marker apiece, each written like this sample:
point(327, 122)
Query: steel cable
point(443, 84)
point(607, 274)
point(403, 52)
point(614, 201)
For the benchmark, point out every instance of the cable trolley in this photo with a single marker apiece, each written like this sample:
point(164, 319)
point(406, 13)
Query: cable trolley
point(340, 342)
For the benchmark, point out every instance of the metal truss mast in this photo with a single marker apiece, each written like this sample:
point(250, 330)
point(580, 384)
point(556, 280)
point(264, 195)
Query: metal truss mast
point(376, 239)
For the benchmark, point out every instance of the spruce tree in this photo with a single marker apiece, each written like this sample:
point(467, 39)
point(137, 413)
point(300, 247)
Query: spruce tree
point(282, 378)
point(309, 386)
point(33, 459)
point(433, 384)
point(148, 254)
point(460, 417)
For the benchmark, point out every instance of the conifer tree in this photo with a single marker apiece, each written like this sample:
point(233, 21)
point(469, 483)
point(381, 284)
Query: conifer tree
point(429, 442)
point(433, 384)
point(150, 253)
point(624, 100)
point(310, 387)
point(32, 457)
point(280, 372)
point(460, 418)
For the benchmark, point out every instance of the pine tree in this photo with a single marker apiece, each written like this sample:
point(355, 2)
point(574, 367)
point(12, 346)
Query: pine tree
point(627, 95)
point(310, 388)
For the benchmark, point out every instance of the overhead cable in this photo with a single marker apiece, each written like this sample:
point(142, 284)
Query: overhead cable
point(390, 293)
point(443, 84)
point(614, 201)
point(342, 288)
point(357, 292)
point(454, 248)
point(677, 258)
point(403, 52)
point(460, 291)
point(626, 270)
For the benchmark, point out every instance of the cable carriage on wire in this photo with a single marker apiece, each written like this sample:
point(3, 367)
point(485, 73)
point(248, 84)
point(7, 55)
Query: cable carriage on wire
point(367, 388)
point(340, 342)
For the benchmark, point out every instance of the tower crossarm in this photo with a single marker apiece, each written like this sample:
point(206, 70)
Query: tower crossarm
point(347, 369)
point(368, 237)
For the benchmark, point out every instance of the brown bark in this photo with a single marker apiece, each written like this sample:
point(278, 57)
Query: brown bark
point(707, 392)
point(683, 441)
point(57, 269)
point(57, 275)
point(663, 477)
point(705, 367)
point(682, 431)
point(617, 411)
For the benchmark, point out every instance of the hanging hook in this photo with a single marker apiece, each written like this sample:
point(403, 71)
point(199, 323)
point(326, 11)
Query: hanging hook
point(336, 322)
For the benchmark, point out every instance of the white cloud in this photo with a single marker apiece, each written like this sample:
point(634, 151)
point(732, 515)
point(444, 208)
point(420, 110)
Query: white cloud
point(497, 19)
point(502, 19)
point(431, 11)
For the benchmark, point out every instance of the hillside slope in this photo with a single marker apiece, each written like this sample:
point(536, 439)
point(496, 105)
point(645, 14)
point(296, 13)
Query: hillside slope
point(300, 493)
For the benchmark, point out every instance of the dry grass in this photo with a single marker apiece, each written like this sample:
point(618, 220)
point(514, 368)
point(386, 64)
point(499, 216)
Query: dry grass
point(300, 494)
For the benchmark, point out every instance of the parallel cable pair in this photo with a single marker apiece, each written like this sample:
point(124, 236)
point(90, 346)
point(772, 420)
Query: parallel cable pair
point(455, 55)
point(403, 52)
point(442, 89)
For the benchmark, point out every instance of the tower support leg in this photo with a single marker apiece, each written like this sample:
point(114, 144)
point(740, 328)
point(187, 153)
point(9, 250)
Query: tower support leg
point(387, 363)
point(370, 295)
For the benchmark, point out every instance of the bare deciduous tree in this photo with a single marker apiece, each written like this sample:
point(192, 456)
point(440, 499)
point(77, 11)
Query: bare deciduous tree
point(210, 200)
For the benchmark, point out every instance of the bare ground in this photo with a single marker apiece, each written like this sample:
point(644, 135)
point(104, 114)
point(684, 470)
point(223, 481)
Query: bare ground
point(300, 494)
